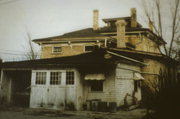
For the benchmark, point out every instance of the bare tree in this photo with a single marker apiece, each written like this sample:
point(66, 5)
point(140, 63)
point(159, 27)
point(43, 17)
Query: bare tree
point(31, 53)
point(167, 27)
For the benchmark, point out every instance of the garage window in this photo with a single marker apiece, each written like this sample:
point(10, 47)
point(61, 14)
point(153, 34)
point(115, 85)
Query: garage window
point(41, 78)
point(55, 78)
point(69, 78)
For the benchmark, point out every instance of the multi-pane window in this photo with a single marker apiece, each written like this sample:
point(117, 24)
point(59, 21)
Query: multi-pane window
point(69, 78)
point(57, 49)
point(41, 78)
point(55, 78)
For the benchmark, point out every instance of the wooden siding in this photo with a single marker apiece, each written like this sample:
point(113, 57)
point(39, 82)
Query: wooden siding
point(53, 96)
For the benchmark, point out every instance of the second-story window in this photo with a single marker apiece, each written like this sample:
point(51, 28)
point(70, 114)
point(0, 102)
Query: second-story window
point(90, 48)
point(57, 49)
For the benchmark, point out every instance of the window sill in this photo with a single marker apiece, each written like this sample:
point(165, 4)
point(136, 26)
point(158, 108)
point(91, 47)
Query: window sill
point(96, 92)
point(56, 53)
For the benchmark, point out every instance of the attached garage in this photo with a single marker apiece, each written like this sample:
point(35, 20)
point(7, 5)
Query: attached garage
point(70, 83)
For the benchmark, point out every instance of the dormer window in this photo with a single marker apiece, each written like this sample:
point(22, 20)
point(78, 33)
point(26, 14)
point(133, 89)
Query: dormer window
point(57, 49)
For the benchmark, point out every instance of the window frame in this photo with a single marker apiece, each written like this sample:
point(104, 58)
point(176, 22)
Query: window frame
point(45, 78)
point(57, 80)
point(56, 52)
point(94, 46)
point(66, 80)
point(48, 77)
point(95, 82)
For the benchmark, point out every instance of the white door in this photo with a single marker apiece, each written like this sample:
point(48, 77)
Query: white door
point(57, 92)
point(39, 86)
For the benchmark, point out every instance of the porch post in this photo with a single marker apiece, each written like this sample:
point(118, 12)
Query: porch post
point(1, 79)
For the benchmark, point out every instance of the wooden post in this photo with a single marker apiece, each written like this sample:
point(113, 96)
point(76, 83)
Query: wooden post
point(1, 79)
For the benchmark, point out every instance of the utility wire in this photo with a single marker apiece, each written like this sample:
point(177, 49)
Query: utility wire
point(7, 53)
point(2, 2)
point(12, 51)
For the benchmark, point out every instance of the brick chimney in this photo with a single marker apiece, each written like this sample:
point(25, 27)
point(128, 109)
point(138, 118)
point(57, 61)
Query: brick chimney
point(121, 27)
point(133, 17)
point(95, 19)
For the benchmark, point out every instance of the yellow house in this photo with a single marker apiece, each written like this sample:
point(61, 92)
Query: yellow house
point(94, 68)
point(124, 34)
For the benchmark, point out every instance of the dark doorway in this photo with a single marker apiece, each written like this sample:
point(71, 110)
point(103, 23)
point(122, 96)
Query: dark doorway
point(20, 87)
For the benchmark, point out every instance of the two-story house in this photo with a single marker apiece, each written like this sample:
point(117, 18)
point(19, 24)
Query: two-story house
point(78, 70)
point(123, 32)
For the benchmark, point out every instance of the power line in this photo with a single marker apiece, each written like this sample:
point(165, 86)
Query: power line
point(12, 51)
point(7, 53)
point(2, 2)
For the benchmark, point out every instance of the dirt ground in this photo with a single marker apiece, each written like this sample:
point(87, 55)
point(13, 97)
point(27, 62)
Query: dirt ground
point(22, 113)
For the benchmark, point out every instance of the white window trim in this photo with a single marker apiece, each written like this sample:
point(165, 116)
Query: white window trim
point(56, 52)
point(57, 77)
point(63, 77)
point(66, 78)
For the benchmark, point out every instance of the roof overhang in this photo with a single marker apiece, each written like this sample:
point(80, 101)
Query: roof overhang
point(127, 58)
point(95, 76)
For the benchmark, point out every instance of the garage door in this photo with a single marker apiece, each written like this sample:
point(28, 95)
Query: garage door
point(53, 89)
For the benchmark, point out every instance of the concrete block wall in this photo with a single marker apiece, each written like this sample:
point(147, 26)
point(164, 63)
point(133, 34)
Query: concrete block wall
point(125, 84)
point(108, 93)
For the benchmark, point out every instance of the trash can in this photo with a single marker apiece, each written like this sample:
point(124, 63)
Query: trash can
point(102, 106)
point(94, 104)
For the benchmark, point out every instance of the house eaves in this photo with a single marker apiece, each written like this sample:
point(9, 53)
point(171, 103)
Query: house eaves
point(91, 59)
point(127, 58)
point(83, 33)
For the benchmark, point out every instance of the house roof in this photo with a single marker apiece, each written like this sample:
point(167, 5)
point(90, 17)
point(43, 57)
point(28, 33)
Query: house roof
point(88, 32)
point(127, 19)
point(140, 55)
point(106, 20)
point(96, 58)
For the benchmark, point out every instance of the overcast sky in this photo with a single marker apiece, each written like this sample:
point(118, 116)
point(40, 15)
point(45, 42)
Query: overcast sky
point(43, 18)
